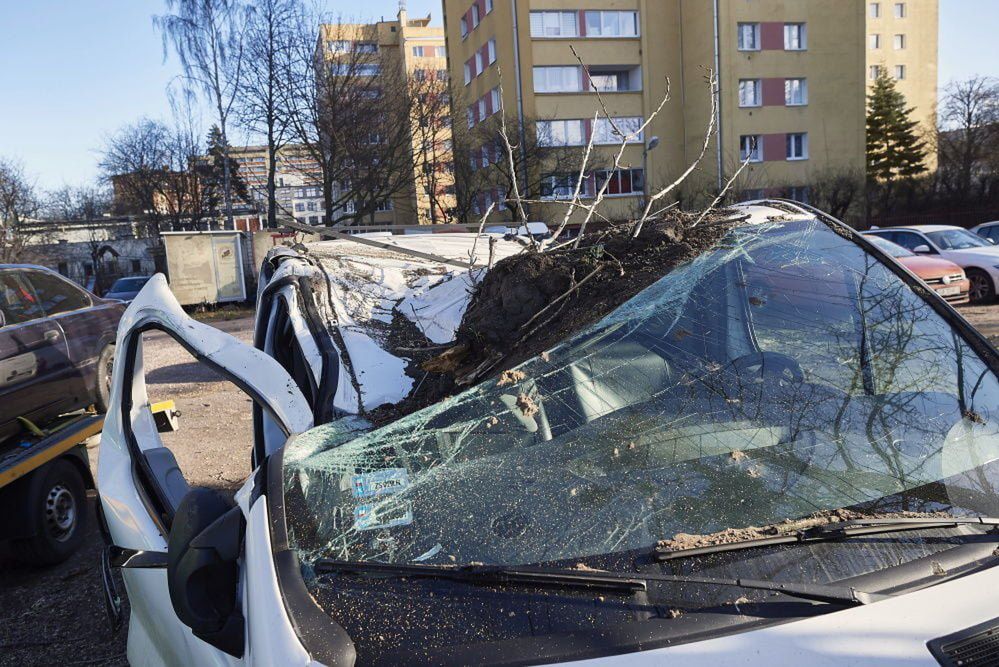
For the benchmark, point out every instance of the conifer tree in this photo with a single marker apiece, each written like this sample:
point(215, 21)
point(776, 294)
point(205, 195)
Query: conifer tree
point(894, 149)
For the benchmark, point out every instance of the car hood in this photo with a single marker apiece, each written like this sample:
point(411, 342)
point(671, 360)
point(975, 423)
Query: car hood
point(929, 267)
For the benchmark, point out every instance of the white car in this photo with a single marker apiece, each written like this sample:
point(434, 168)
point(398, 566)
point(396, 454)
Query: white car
point(976, 255)
point(988, 231)
point(783, 452)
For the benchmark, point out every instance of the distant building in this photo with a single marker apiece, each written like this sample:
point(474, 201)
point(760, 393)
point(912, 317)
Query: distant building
point(792, 78)
point(420, 50)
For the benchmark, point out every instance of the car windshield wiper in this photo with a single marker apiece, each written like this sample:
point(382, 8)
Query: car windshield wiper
point(830, 532)
point(614, 582)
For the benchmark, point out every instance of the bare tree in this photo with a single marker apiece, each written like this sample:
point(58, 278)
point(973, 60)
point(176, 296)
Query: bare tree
point(351, 116)
point(209, 38)
point(83, 202)
point(18, 203)
point(839, 192)
point(429, 92)
point(262, 106)
point(968, 137)
point(135, 160)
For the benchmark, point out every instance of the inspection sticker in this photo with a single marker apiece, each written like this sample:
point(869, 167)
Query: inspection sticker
point(380, 483)
point(374, 517)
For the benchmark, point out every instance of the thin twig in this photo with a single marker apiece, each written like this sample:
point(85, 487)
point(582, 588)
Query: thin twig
point(579, 183)
point(725, 190)
point(712, 87)
point(475, 243)
point(564, 296)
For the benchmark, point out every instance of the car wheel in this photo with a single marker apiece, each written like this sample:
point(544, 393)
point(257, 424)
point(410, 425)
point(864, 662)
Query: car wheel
point(982, 288)
point(105, 364)
point(59, 521)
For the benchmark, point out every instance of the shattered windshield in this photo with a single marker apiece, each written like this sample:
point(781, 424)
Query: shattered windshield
point(782, 373)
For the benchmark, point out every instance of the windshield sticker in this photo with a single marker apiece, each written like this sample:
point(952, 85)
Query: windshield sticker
point(375, 517)
point(380, 483)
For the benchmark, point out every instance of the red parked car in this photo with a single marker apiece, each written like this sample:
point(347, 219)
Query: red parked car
point(946, 278)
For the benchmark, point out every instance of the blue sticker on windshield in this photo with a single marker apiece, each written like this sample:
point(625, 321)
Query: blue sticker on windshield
point(374, 517)
point(380, 483)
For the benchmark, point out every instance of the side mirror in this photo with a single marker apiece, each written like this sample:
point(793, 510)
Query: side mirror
point(922, 249)
point(203, 570)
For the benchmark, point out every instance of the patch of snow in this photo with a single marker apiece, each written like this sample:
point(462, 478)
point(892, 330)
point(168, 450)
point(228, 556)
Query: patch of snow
point(438, 311)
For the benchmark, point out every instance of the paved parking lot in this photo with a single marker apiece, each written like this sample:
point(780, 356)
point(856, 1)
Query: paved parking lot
point(56, 615)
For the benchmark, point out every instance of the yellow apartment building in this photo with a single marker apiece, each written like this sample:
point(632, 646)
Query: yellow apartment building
point(791, 93)
point(903, 39)
point(419, 50)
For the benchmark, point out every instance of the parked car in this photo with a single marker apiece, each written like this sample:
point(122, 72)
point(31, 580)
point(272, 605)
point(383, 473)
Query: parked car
point(979, 258)
point(56, 346)
point(125, 289)
point(988, 231)
point(946, 278)
point(779, 453)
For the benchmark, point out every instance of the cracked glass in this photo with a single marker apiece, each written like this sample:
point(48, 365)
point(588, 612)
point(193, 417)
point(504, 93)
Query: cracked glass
point(784, 372)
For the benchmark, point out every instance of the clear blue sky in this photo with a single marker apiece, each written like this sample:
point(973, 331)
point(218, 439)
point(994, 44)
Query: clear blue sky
point(71, 71)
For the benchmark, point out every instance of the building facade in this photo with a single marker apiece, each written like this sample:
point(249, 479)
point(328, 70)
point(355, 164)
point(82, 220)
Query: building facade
point(418, 50)
point(902, 39)
point(791, 86)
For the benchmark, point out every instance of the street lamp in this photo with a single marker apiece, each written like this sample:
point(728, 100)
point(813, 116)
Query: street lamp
point(646, 149)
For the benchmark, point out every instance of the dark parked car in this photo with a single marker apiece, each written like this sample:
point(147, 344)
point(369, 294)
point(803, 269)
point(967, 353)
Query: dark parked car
point(56, 346)
point(125, 289)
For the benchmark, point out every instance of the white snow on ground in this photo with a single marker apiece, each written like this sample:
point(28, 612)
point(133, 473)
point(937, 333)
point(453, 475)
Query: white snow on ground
point(370, 284)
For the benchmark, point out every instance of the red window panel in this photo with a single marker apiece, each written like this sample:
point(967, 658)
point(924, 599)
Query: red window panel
point(772, 36)
point(482, 8)
point(581, 22)
point(485, 56)
point(774, 147)
point(773, 92)
point(470, 63)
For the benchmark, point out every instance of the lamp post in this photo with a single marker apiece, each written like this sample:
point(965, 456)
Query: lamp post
point(646, 149)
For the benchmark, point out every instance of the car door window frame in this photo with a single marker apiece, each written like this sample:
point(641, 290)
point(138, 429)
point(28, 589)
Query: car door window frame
point(88, 302)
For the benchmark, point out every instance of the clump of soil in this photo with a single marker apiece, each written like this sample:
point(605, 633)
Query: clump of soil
point(684, 541)
point(530, 302)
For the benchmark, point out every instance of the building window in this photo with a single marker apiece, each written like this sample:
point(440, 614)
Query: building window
point(468, 73)
point(749, 36)
point(299, 207)
point(338, 46)
point(628, 127)
point(799, 193)
point(797, 146)
point(489, 6)
point(874, 41)
point(558, 80)
point(475, 16)
point(365, 47)
point(899, 42)
point(563, 186)
point(470, 113)
point(795, 92)
point(612, 24)
point(621, 181)
point(464, 27)
point(611, 80)
point(554, 24)
point(750, 146)
point(873, 71)
point(875, 10)
point(900, 72)
point(900, 10)
point(795, 37)
point(356, 69)
point(750, 94)
point(480, 66)
point(560, 132)
point(494, 98)
point(383, 206)
point(492, 51)
point(483, 108)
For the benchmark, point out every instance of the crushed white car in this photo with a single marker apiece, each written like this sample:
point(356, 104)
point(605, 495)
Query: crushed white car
point(783, 452)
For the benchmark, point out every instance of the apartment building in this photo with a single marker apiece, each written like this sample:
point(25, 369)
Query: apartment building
point(791, 94)
point(419, 49)
point(902, 39)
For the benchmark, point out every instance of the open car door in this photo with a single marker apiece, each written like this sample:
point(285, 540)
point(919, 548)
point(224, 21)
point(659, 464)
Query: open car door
point(192, 564)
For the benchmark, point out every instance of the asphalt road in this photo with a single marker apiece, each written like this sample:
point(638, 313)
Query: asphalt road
point(55, 616)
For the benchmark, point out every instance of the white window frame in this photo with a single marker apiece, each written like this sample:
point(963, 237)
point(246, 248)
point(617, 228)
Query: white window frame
point(601, 19)
point(338, 46)
point(470, 114)
point(561, 132)
point(463, 25)
point(543, 24)
point(790, 145)
point(900, 72)
point(874, 41)
point(901, 11)
point(745, 85)
point(480, 66)
point(541, 74)
point(873, 72)
point(468, 74)
point(616, 173)
point(751, 30)
point(802, 34)
point(605, 135)
point(789, 92)
point(366, 47)
point(494, 96)
point(489, 6)
point(483, 108)
point(874, 10)
point(754, 141)
point(476, 19)
point(898, 41)
point(491, 45)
